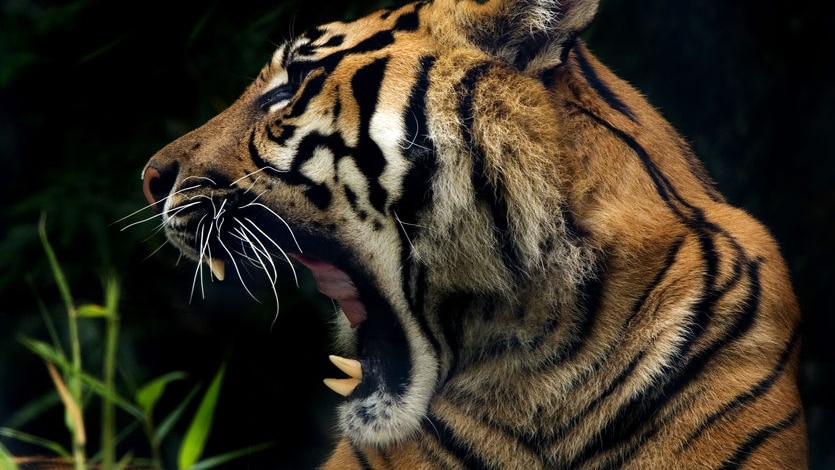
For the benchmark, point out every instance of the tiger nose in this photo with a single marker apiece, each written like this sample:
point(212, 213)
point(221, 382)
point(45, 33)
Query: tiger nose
point(157, 183)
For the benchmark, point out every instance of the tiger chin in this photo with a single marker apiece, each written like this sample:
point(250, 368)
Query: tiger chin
point(533, 269)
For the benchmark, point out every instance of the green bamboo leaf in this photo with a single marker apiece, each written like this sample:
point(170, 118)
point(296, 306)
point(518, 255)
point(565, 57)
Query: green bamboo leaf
point(125, 462)
point(6, 461)
point(124, 432)
point(35, 440)
point(168, 423)
point(148, 396)
point(92, 311)
point(212, 462)
point(57, 272)
point(32, 409)
point(197, 434)
point(46, 351)
point(50, 355)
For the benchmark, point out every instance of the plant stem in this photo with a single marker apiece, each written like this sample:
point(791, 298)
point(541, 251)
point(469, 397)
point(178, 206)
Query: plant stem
point(74, 379)
point(108, 425)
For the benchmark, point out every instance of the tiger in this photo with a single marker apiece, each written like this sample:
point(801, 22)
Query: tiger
point(531, 266)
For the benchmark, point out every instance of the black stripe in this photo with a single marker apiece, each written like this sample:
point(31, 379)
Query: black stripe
point(756, 439)
point(669, 259)
point(437, 428)
point(257, 159)
point(365, 464)
point(365, 86)
point(450, 313)
point(417, 190)
point(287, 132)
point(416, 294)
point(314, 34)
point(312, 89)
point(692, 217)
point(528, 49)
point(758, 390)
point(334, 41)
point(408, 22)
point(299, 69)
point(565, 430)
point(490, 192)
point(639, 413)
point(601, 87)
point(589, 301)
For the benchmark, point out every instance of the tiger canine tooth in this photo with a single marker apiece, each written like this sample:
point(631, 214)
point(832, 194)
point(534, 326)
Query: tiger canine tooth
point(217, 267)
point(352, 367)
point(343, 387)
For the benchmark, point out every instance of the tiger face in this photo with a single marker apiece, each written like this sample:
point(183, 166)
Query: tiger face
point(521, 248)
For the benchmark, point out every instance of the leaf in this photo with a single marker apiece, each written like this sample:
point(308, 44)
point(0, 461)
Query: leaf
point(6, 461)
point(212, 462)
point(73, 408)
point(32, 409)
point(194, 441)
point(148, 396)
point(48, 354)
point(38, 441)
point(92, 311)
point(57, 272)
point(168, 423)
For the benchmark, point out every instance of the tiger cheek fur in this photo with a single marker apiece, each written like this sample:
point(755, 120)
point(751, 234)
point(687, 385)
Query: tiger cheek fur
point(532, 267)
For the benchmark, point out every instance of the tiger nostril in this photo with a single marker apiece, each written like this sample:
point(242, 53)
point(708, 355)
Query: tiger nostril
point(157, 184)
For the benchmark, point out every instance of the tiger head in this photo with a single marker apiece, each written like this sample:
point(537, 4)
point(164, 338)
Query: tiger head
point(457, 175)
point(410, 160)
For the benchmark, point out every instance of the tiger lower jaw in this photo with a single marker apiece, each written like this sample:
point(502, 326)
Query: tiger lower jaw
point(389, 384)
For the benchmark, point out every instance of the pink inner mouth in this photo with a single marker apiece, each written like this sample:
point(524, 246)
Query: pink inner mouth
point(337, 285)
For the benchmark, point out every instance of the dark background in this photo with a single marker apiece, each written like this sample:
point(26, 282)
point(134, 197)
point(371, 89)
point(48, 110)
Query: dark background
point(89, 89)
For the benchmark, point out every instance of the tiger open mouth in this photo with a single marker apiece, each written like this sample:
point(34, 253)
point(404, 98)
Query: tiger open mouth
point(381, 362)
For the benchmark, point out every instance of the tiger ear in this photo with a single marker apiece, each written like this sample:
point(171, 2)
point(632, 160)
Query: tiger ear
point(531, 35)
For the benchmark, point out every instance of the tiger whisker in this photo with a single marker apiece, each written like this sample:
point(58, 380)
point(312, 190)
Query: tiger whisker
point(150, 206)
point(220, 210)
point(246, 242)
point(199, 270)
point(271, 168)
point(283, 253)
point(254, 182)
point(155, 251)
point(161, 225)
point(293, 235)
point(263, 248)
point(160, 215)
point(412, 142)
point(237, 270)
point(405, 233)
point(273, 280)
point(200, 178)
point(211, 201)
point(244, 245)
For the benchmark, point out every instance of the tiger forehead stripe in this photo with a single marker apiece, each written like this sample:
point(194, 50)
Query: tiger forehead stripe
point(278, 68)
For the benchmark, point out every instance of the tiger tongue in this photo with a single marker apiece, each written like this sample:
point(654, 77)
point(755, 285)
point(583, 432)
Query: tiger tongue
point(337, 285)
